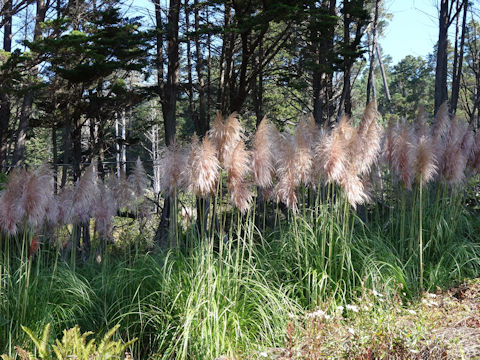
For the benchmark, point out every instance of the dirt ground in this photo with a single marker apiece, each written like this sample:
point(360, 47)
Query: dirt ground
point(456, 317)
point(441, 325)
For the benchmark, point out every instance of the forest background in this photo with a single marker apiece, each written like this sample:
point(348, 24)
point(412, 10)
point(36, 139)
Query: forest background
point(89, 87)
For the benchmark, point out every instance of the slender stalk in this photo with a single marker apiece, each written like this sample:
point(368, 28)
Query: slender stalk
point(420, 240)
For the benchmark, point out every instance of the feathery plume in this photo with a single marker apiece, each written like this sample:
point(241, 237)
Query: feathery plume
point(203, 167)
point(331, 156)
point(440, 132)
point(468, 139)
point(138, 179)
point(11, 213)
point(454, 159)
point(369, 115)
point(364, 145)
point(52, 211)
point(121, 189)
point(288, 179)
point(173, 162)
point(38, 188)
point(307, 130)
point(65, 205)
point(421, 126)
point(403, 153)
point(425, 162)
point(354, 189)
point(303, 147)
point(241, 196)
point(240, 193)
point(388, 141)
point(233, 135)
point(85, 195)
point(442, 120)
point(104, 211)
point(217, 131)
point(240, 164)
point(263, 156)
point(225, 135)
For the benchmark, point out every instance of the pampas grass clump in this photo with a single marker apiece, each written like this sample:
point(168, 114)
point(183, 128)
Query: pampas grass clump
point(203, 167)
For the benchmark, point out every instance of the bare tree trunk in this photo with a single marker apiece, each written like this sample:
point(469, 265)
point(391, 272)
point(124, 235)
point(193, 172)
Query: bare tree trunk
point(202, 118)
point(169, 103)
point(371, 78)
point(67, 143)
point(4, 99)
point(77, 149)
point(27, 104)
point(123, 144)
point(226, 63)
point(190, 94)
point(457, 73)
point(209, 67)
point(167, 90)
point(117, 146)
point(55, 158)
point(101, 149)
point(384, 78)
point(446, 16)
point(347, 70)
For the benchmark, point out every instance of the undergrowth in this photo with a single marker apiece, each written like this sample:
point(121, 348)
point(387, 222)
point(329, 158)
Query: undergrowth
point(235, 294)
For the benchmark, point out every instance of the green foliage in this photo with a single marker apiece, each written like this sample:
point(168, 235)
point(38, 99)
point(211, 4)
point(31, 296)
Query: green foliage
point(412, 84)
point(109, 43)
point(234, 295)
point(73, 344)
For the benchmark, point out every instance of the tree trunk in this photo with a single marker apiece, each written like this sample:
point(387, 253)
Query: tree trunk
point(55, 158)
point(347, 69)
point(4, 98)
point(209, 67)
point(384, 78)
point(459, 63)
point(169, 101)
point(167, 91)
point(67, 143)
point(371, 78)
point(27, 104)
point(442, 61)
point(202, 118)
point(190, 94)
point(101, 150)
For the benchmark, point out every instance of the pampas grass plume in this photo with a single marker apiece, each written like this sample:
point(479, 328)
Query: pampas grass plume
point(403, 153)
point(354, 189)
point(121, 189)
point(37, 191)
point(225, 135)
point(85, 195)
point(104, 211)
point(263, 156)
point(425, 161)
point(138, 179)
point(240, 193)
point(288, 179)
point(303, 148)
point(331, 154)
point(203, 167)
point(173, 163)
point(11, 212)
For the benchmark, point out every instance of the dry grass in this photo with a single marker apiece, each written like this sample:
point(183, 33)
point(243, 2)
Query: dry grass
point(445, 325)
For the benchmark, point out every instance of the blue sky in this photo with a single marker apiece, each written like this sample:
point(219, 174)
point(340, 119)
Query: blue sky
point(413, 30)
